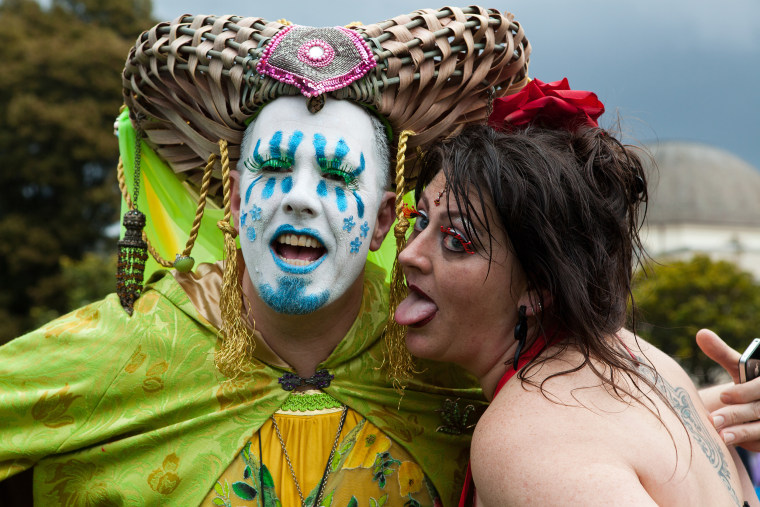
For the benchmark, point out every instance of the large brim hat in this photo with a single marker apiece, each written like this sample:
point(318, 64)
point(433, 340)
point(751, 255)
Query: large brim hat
point(198, 79)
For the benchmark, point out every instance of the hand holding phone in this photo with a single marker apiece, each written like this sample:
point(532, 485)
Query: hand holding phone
point(749, 363)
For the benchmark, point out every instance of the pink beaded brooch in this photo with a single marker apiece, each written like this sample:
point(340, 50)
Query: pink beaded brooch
point(316, 60)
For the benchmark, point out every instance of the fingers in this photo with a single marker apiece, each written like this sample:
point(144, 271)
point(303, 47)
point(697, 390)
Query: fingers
point(717, 350)
point(736, 415)
point(741, 393)
point(745, 435)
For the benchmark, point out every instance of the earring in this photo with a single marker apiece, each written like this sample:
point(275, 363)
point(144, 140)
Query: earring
point(521, 332)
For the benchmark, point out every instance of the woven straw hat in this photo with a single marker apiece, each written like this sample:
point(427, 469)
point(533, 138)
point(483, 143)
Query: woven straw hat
point(198, 79)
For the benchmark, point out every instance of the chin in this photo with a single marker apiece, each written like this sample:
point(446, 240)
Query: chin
point(420, 344)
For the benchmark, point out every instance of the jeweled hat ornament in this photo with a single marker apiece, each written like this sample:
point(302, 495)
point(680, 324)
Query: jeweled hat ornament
point(192, 85)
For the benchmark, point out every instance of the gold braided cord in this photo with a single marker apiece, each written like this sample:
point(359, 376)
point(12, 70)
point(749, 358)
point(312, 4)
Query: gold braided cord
point(396, 356)
point(236, 350)
point(201, 206)
point(199, 211)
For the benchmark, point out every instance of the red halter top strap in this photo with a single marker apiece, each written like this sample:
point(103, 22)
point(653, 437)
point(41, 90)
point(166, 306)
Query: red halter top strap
point(539, 345)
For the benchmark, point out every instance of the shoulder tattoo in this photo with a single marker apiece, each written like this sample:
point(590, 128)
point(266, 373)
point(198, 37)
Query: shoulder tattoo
point(685, 409)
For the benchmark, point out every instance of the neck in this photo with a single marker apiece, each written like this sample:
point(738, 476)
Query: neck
point(304, 341)
point(495, 369)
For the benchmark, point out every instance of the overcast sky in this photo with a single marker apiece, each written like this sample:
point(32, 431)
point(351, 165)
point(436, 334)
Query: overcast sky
point(672, 69)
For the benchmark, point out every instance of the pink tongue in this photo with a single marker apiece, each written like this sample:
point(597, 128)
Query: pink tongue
point(299, 252)
point(414, 308)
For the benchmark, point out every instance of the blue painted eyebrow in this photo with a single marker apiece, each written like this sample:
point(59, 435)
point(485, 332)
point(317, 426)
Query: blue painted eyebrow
point(341, 150)
point(275, 152)
point(256, 156)
point(274, 145)
point(360, 169)
point(293, 143)
point(319, 145)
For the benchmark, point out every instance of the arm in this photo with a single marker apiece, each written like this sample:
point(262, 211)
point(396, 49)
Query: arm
point(735, 408)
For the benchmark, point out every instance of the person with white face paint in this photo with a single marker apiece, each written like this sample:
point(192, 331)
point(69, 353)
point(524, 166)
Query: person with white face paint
point(269, 382)
point(313, 203)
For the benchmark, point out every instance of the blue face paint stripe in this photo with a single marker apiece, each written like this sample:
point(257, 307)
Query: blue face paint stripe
point(359, 205)
point(274, 145)
point(360, 169)
point(268, 189)
point(295, 139)
point(341, 149)
point(322, 189)
point(286, 185)
point(256, 156)
point(250, 187)
point(341, 198)
point(319, 146)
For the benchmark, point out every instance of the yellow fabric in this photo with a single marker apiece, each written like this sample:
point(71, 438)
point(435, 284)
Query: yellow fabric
point(361, 443)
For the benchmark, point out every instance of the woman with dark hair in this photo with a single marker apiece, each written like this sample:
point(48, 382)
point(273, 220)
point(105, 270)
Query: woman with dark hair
point(519, 269)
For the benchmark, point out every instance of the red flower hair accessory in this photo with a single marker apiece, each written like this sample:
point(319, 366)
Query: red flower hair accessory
point(548, 105)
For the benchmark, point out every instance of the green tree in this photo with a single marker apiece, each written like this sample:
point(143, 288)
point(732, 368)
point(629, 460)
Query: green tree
point(676, 299)
point(61, 91)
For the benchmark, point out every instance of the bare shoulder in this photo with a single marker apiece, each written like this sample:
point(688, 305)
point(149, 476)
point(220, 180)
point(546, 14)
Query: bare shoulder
point(578, 441)
point(565, 445)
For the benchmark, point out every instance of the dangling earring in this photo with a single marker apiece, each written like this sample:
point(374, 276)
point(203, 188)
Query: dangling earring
point(521, 332)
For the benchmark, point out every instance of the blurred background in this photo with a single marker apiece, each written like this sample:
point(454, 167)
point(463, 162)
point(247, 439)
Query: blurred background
point(681, 78)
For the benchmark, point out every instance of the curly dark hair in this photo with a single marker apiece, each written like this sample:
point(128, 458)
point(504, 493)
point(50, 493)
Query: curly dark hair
point(571, 205)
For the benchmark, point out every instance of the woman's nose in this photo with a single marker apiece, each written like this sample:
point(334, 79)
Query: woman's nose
point(416, 254)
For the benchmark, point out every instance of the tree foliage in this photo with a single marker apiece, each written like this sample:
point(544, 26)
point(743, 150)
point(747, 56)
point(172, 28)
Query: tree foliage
point(678, 298)
point(61, 91)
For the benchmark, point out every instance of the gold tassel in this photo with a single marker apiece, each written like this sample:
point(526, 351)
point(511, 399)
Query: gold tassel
point(236, 350)
point(396, 356)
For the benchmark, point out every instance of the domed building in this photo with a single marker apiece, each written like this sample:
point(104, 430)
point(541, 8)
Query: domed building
point(702, 200)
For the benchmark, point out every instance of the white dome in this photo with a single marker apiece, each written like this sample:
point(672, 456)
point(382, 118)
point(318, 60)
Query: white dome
point(696, 183)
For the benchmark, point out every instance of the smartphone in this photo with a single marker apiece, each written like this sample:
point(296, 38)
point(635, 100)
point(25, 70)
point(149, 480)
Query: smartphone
point(749, 364)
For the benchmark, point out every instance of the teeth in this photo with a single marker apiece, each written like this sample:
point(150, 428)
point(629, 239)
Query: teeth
point(297, 262)
point(299, 240)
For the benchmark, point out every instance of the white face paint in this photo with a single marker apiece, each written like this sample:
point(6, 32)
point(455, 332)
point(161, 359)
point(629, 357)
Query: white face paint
point(310, 189)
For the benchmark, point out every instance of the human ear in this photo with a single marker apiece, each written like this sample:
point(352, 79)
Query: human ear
point(535, 301)
point(235, 199)
point(385, 216)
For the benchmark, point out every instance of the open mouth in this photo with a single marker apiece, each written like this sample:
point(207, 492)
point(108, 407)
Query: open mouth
point(297, 249)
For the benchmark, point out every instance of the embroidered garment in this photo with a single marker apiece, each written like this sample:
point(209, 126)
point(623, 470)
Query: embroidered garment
point(112, 409)
point(368, 467)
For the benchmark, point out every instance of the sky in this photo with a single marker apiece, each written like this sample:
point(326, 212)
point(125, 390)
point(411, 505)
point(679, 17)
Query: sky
point(686, 70)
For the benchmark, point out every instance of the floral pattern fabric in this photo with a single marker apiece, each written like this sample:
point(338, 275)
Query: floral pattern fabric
point(113, 409)
point(368, 468)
